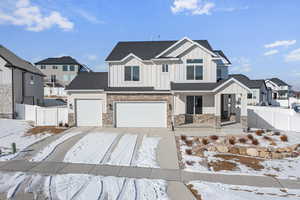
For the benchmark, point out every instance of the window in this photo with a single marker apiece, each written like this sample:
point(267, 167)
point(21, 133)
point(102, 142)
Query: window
point(43, 67)
point(132, 73)
point(54, 67)
point(65, 68)
point(72, 68)
point(194, 70)
point(194, 105)
point(53, 78)
point(249, 96)
point(219, 73)
point(165, 68)
point(31, 80)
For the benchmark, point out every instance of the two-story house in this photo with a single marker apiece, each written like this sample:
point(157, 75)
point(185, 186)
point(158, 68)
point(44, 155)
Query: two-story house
point(20, 83)
point(281, 91)
point(59, 72)
point(159, 84)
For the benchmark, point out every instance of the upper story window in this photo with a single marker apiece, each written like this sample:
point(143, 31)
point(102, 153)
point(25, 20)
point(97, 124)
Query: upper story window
point(31, 80)
point(219, 73)
point(72, 68)
point(132, 73)
point(194, 69)
point(53, 78)
point(165, 68)
point(54, 67)
point(43, 66)
point(65, 68)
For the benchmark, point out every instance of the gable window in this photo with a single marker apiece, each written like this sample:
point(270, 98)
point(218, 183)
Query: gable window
point(132, 73)
point(54, 67)
point(65, 68)
point(165, 68)
point(43, 66)
point(249, 96)
point(194, 105)
point(194, 69)
point(72, 68)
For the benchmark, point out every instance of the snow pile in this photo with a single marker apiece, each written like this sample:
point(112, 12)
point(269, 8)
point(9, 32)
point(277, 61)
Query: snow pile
point(212, 191)
point(123, 153)
point(91, 149)
point(43, 154)
point(82, 186)
point(14, 131)
point(147, 153)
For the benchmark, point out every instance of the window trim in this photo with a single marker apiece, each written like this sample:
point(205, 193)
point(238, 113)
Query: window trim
point(195, 63)
point(194, 103)
point(63, 67)
point(71, 66)
point(132, 73)
point(43, 67)
point(165, 68)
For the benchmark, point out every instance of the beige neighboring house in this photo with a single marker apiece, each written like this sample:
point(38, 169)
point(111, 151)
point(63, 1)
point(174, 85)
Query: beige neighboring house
point(59, 71)
point(159, 84)
point(20, 83)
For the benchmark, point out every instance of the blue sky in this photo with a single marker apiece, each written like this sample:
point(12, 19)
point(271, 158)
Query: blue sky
point(261, 37)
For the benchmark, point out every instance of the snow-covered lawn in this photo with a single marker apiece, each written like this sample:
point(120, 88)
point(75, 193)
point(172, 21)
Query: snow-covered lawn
point(286, 168)
point(45, 152)
point(81, 186)
point(213, 191)
point(14, 131)
point(91, 149)
point(147, 153)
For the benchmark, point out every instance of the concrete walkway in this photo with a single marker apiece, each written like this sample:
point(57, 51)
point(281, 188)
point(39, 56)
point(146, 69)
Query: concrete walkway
point(52, 168)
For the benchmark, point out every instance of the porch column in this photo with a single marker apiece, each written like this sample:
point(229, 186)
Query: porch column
point(218, 110)
point(244, 111)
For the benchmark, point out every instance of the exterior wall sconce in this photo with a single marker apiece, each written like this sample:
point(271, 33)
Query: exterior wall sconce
point(71, 106)
point(170, 106)
point(110, 106)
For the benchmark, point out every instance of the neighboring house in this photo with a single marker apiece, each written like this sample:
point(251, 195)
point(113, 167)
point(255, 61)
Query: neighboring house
point(259, 94)
point(281, 91)
point(159, 84)
point(59, 73)
point(20, 83)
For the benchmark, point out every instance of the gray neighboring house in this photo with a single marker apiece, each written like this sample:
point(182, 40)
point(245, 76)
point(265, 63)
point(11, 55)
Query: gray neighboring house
point(20, 83)
point(60, 71)
point(280, 89)
point(259, 95)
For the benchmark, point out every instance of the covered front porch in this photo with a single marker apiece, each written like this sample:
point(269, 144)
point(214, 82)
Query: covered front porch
point(224, 106)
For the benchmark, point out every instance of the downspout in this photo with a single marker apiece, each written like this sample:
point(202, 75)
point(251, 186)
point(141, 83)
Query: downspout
point(13, 93)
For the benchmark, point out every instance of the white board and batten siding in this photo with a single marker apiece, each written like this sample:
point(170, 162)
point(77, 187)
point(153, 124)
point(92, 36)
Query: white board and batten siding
point(89, 112)
point(141, 114)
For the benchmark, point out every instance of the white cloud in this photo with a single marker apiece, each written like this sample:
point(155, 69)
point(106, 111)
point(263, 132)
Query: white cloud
point(92, 57)
point(25, 14)
point(271, 52)
point(241, 65)
point(194, 7)
point(293, 56)
point(88, 16)
point(280, 43)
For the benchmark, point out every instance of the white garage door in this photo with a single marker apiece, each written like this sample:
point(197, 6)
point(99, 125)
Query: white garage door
point(141, 114)
point(89, 112)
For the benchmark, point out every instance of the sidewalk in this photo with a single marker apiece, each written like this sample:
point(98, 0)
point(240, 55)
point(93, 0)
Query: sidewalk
point(52, 168)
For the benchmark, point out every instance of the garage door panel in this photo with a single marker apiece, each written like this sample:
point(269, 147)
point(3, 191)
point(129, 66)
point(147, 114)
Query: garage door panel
point(141, 114)
point(89, 112)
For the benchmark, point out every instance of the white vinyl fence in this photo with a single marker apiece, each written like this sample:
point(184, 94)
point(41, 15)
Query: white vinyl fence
point(42, 116)
point(55, 91)
point(273, 118)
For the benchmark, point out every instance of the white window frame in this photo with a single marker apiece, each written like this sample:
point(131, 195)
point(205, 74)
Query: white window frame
point(131, 73)
point(165, 68)
point(194, 65)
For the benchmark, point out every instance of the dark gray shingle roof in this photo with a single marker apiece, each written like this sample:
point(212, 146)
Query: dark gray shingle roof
point(196, 86)
point(145, 49)
point(278, 82)
point(18, 62)
point(253, 84)
point(221, 53)
point(64, 60)
point(89, 81)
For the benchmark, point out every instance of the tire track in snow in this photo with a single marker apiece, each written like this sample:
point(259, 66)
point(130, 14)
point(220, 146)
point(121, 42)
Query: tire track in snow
point(110, 149)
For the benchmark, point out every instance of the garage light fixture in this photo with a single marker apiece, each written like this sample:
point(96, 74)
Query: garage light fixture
point(110, 107)
point(71, 106)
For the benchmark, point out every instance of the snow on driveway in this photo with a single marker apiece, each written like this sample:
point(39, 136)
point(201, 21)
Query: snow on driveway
point(91, 149)
point(14, 131)
point(81, 187)
point(147, 153)
point(123, 153)
point(44, 153)
point(212, 191)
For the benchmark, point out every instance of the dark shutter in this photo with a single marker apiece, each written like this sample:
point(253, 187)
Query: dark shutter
point(127, 73)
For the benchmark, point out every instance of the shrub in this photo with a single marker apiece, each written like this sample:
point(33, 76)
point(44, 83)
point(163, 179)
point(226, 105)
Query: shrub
point(259, 132)
point(189, 143)
point(232, 140)
point(214, 137)
point(250, 137)
point(183, 137)
point(60, 124)
point(267, 138)
point(277, 133)
point(284, 138)
point(190, 162)
point(242, 140)
point(255, 142)
point(205, 141)
point(273, 143)
point(66, 125)
point(188, 151)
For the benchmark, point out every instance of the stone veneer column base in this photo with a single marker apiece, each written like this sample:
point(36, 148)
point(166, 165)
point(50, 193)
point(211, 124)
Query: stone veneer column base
point(218, 122)
point(6, 116)
point(244, 122)
point(71, 119)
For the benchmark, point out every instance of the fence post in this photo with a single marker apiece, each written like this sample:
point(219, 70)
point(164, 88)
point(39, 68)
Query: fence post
point(35, 108)
point(57, 115)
